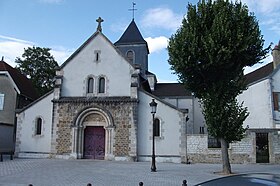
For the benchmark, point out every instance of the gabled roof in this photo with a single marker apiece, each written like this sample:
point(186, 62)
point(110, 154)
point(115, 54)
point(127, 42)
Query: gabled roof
point(23, 84)
point(171, 90)
point(86, 43)
point(131, 35)
point(259, 74)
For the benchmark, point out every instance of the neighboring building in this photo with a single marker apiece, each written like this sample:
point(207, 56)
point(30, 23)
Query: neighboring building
point(16, 91)
point(262, 141)
point(99, 109)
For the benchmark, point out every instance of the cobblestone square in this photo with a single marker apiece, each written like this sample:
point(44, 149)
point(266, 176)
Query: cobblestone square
point(58, 172)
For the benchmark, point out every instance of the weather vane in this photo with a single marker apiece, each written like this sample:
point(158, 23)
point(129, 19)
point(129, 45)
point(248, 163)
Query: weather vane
point(133, 9)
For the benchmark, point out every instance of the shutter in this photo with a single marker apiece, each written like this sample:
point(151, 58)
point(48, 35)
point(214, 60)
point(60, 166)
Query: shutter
point(275, 100)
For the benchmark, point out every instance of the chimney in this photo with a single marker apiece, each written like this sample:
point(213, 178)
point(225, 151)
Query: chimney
point(276, 55)
point(2, 58)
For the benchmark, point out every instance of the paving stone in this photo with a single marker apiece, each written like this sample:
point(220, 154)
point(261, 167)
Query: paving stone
point(58, 172)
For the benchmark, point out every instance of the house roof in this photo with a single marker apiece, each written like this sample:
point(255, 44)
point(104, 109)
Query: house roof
point(171, 90)
point(259, 74)
point(23, 84)
point(131, 35)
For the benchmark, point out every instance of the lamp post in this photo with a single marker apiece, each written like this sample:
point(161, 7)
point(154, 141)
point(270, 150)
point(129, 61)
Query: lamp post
point(153, 106)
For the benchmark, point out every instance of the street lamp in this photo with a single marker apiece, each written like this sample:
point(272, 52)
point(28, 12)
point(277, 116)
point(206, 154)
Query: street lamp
point(153, 106)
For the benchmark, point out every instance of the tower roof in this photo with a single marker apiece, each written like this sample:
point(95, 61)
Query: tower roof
point(131, 35)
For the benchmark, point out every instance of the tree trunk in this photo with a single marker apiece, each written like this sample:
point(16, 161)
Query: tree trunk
point(225, 158)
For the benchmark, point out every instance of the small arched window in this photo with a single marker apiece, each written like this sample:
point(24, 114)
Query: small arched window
point(38, 126)
point(130, 55)
point(101, 85)
point(90, 85)
point(157, 127)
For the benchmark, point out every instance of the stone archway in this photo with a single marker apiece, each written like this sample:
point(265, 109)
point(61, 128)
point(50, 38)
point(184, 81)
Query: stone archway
point(87, 123)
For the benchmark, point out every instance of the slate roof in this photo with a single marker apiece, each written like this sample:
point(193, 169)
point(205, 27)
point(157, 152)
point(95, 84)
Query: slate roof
point(23, 84)
point(171, 90)
point(259, 74)
point(131, 35)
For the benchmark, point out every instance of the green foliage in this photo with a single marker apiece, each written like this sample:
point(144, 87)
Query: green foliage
point(39, 66)
point(224, 118)
point(216, 41)
point(208, 52)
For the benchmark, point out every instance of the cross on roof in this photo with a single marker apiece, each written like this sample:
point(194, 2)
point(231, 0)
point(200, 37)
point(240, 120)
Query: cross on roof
point(99, 20)
point(133, 9)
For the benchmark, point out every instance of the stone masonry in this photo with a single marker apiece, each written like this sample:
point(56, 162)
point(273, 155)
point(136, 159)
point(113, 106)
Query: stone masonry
point(123, 111)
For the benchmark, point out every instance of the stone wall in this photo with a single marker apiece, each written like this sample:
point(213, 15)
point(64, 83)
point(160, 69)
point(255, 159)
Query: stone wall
point(275, 148)
point(123, 112)
point(198, 151)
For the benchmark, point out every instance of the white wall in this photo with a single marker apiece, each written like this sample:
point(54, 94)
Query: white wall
point(112, 65)
point(276, 88)
point(169, 142)
point(29, 142)
point(258, 100)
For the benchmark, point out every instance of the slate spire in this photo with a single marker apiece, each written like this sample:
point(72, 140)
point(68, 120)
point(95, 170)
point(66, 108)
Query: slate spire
point(131, 35)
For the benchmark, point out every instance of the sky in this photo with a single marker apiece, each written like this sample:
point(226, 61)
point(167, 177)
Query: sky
point(64, 25)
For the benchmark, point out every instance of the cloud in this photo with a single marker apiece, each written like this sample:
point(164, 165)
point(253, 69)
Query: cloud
point(157, 44)
point(11, 48)
point(268, 11)
point(60, 54)
point(161, 18)
point(258, 65)
point(263, 6)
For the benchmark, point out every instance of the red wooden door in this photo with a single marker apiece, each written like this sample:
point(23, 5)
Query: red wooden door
point(94, 143)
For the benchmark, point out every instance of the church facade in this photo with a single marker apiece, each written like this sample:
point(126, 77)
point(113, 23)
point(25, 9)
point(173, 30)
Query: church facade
point(100, 109)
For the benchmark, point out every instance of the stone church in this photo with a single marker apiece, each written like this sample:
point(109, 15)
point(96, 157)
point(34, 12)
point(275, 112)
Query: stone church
point(99, 108)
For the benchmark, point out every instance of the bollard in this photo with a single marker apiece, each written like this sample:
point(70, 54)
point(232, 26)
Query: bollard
point(184, 183)
point(89, 184)
point(141, 183)
point(30, 185)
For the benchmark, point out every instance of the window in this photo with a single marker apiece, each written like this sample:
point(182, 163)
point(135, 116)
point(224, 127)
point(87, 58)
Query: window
point(101, 85)
point(1, 101)
point(213, 142)
point(130, 55)
point(90, 85)
point(157, 127)
point(276, 100)
point(97, 55)
point(38, 126)
point(201, 130)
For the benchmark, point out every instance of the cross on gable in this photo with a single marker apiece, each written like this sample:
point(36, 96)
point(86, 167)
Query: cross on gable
point(99, 21)
point(133, 9)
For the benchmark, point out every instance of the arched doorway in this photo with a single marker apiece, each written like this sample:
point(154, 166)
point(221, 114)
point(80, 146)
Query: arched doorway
point(93, 134)
point(94, 142)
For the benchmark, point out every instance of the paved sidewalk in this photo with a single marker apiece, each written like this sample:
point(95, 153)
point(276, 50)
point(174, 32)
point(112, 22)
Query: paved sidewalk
point(57, 172)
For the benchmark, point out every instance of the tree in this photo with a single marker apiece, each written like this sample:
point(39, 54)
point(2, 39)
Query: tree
point(39, 66)
point(208, 52)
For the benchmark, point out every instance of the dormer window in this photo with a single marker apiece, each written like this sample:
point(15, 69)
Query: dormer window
point(130, 56)
point(97, 55)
